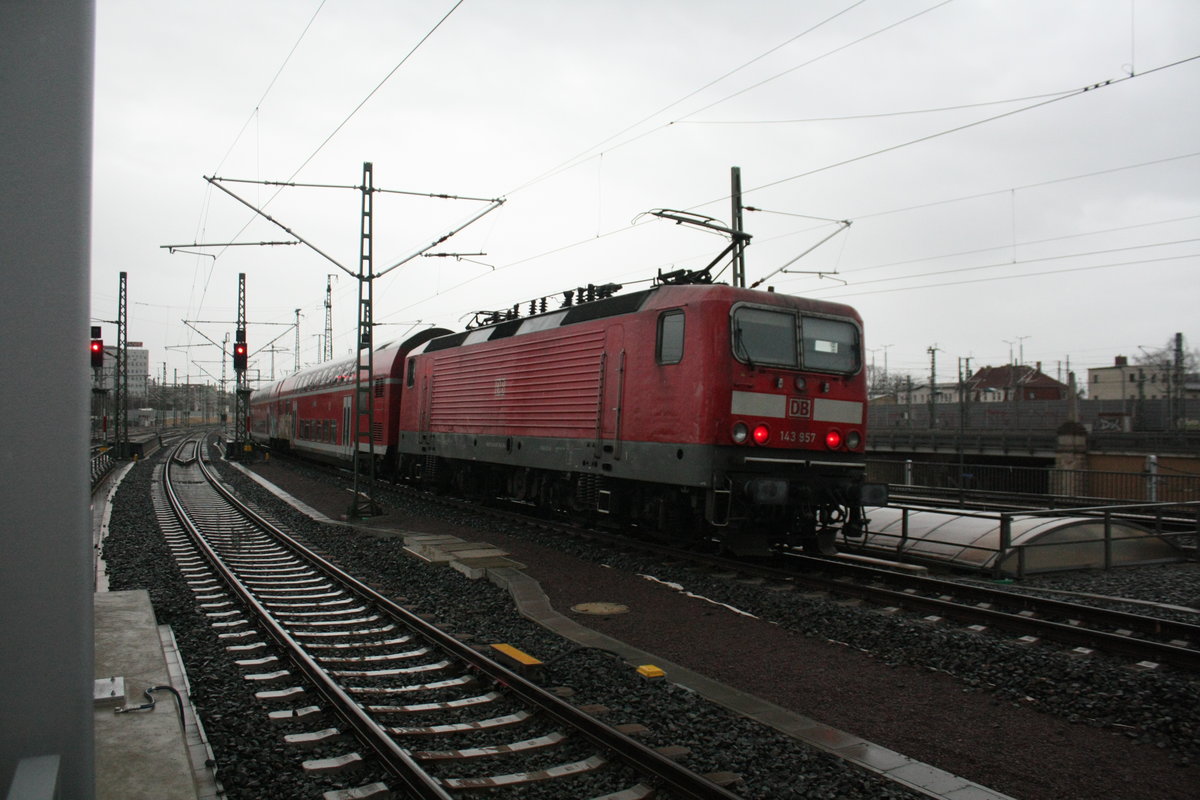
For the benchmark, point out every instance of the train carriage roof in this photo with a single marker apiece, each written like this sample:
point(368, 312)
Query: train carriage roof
point(664, 296)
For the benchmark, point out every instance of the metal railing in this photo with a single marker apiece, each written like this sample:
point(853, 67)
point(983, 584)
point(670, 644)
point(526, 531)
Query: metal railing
point(1164, 519)
point(102, 464)
point(1046, 486)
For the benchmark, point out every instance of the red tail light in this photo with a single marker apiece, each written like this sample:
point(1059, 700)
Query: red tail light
point(761, 434)
point(833, 439)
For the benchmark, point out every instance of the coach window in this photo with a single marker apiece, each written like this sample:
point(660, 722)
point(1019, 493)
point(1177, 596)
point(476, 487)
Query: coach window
point(670, 337)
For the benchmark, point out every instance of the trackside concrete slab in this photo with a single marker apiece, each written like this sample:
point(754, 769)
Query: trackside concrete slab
point(140, 755)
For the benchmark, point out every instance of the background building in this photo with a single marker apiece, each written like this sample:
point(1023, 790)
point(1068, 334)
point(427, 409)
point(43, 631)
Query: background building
point(139, 370)
point(1125, 381)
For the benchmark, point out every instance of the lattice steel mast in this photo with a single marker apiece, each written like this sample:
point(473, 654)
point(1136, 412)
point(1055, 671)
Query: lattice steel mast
point(327, 348)
point(121, 373)
point(241, 413)
point(363, 503)
point(362, 408)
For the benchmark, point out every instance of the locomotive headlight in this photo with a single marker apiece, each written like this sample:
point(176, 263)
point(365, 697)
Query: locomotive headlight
point(741, 432)
point(853, 440)
point(800, 383)
point(761, 434)
point(833, 439)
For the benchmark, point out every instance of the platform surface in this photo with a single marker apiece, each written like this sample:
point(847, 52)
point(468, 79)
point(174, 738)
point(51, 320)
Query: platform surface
point(140, 754)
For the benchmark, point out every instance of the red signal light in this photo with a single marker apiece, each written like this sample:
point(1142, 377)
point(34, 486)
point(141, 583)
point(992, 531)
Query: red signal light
point(761, 434)
point(97, 351)
point(239, 356)
point(833, 439)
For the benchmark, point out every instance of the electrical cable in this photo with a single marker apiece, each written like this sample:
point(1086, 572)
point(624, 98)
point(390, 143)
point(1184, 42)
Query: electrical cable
point(270, 85)
point(999, 264)
point(149, 706)
point(1013, 277)
point(1053, 99)
point(881, 115)
point(583, 155)
point(892, 148)
point(1037, 185)
point(349, 116)
point(1027, 243)
point(821, 57)
point(371, 93)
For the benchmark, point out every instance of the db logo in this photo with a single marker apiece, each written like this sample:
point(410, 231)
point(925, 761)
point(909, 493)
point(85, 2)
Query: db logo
point(799, 407)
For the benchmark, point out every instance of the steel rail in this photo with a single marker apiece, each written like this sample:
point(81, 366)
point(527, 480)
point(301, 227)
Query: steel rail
point(1113, 618)
point(684, 782)
point(1160, 652)
point(371, 733)
point(1164, 653)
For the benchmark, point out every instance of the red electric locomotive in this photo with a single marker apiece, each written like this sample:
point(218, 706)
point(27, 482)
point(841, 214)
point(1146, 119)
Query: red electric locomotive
point(688, 410)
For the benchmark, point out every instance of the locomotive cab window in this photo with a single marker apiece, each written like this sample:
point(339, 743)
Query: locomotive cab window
point(830, 345)
point(764, 336)
point(670, 337)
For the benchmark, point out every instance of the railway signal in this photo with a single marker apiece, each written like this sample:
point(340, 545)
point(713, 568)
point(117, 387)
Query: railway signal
point(97, 350)
point(239, 356)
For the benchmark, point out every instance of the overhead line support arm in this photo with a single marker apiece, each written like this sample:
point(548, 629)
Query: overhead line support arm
point(216, 182)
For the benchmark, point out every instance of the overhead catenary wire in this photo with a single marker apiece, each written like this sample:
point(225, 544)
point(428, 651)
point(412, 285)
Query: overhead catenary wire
point(270, 85)
point(861, 157)
point(1000, 264)
point(1093, 87)
point(560, 249)
point(589, 153)
point(337, 129)
point(879, 115)
point(822, 57)
point(378, 86)
point(331, 135)
point(857, 217)
point(1023, 187)
point(1027, 243)
point(1044, 273)
point(253, 114)
point(572, 162)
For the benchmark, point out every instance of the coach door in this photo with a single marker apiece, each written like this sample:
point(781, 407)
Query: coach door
point(347, 431)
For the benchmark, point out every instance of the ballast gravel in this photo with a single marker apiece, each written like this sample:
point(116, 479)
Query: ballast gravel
point(1033, 721)
point(253, 762)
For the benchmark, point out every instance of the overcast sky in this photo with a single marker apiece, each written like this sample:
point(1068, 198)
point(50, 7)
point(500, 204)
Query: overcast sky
point(996, 208)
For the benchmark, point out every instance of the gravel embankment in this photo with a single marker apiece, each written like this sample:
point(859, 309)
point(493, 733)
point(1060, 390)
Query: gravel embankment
point(1034, 722)
point(255, 764)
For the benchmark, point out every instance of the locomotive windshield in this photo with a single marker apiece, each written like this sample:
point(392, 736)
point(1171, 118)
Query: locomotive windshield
point(761, 336)
point(781, 338)
point(830, 345)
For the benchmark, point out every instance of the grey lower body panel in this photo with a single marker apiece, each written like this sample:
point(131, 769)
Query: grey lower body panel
point(700, 466)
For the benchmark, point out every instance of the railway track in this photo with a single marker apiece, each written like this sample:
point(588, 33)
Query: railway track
point(1146, 640)
point(437, 716)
